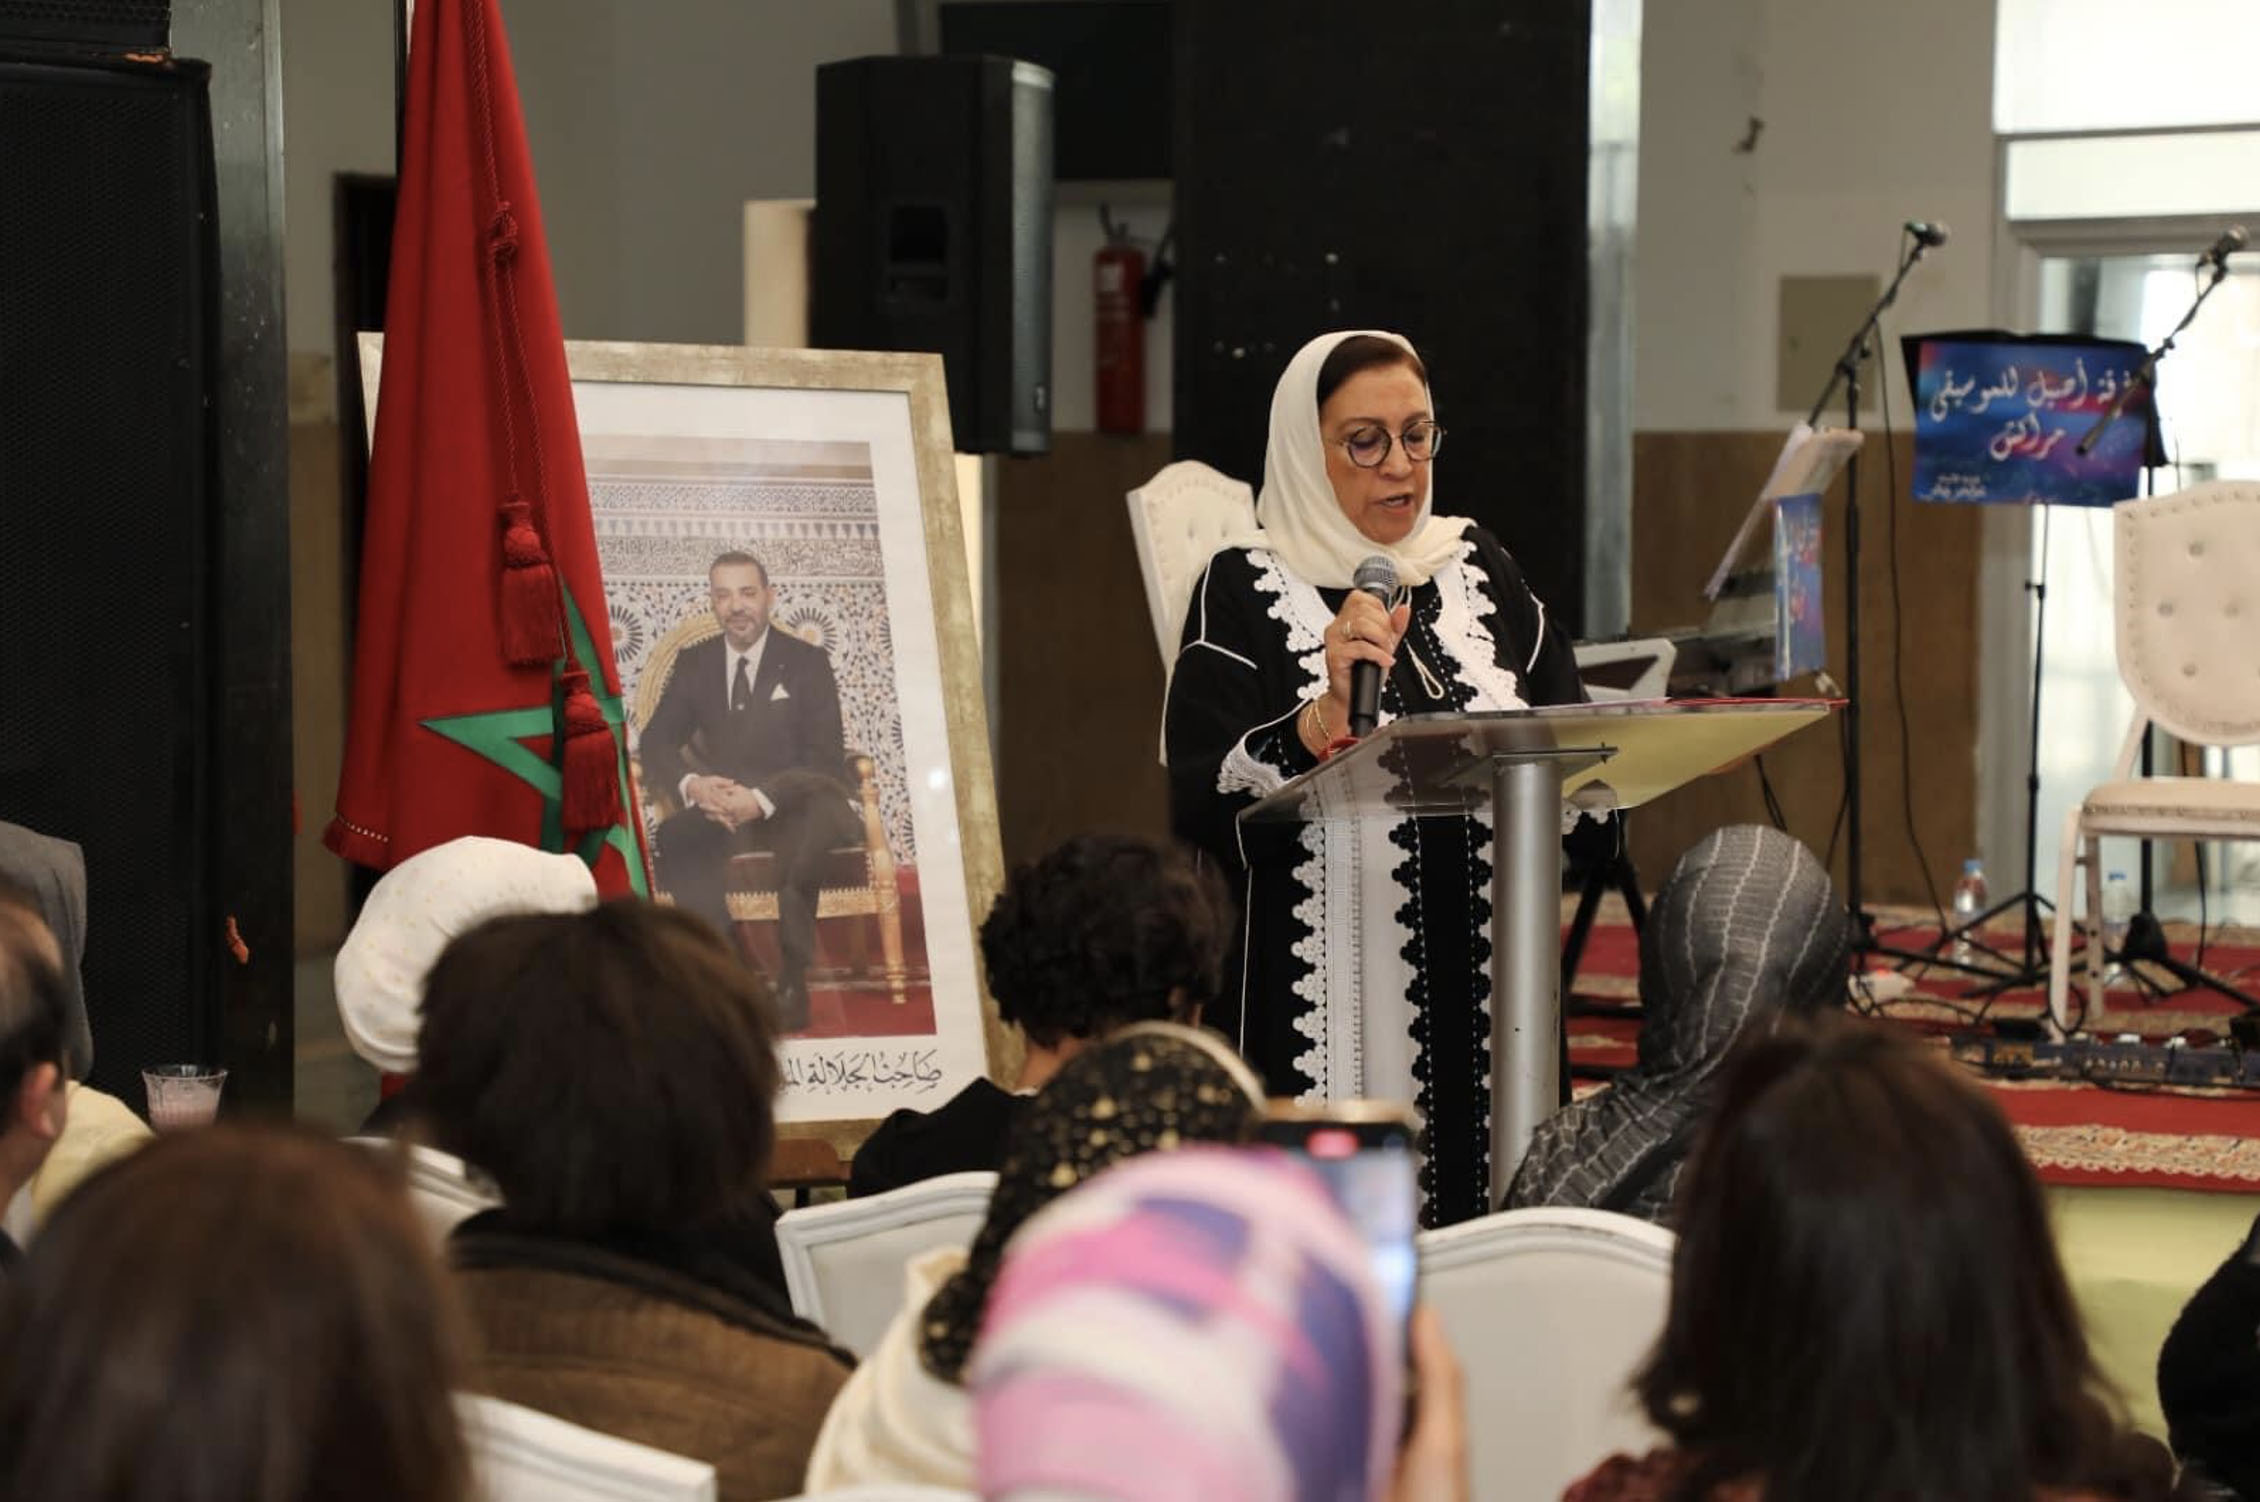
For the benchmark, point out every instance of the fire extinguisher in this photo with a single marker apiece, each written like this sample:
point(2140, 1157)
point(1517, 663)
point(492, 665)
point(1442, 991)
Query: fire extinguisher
point(1118, 275)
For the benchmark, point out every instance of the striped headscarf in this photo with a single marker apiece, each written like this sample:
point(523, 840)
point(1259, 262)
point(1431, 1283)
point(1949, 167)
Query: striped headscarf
point(1747, 929)
point(1148, 1088)
point(1198, 1326)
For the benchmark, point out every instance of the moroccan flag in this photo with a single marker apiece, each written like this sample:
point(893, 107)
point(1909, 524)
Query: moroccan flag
point(485, 697)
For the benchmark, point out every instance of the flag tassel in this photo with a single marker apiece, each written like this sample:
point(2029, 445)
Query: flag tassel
point(592, 767)
point(529, 590)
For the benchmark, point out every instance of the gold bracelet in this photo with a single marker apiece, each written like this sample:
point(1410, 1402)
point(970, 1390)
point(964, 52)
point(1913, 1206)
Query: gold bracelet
point(1318, 723)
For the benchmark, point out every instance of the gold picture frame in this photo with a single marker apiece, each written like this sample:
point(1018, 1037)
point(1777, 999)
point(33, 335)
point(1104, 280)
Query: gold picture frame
point(658, 403)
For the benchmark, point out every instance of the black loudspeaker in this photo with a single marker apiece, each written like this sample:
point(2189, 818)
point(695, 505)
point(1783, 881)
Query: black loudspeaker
point(934, 231)
point(1428, 178)
point(108, 313)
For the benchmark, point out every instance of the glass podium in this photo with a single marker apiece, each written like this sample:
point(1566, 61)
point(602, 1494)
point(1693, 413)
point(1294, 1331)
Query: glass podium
point(1519, 766)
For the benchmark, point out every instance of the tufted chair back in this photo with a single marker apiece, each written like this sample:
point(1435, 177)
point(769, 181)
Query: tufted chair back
point(2189, 610)
point(1179, 519)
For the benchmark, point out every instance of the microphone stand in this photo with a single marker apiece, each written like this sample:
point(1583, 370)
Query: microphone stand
point(1847, 375)
point(2146, 374)
point(2146, 938)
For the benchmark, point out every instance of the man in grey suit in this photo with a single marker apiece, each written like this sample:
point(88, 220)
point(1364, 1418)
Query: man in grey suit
point(747, 735)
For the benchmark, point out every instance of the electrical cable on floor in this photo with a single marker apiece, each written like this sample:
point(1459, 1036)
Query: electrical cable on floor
point(1773, 803)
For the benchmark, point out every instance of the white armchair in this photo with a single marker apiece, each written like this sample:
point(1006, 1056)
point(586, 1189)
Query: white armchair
point(844, 1261)
point(440, 1185)
point(1179, 519)
point(2188, 613)
point(521, 1455)
point(1550, 1312)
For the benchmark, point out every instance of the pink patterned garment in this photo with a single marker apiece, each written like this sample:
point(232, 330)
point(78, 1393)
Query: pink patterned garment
point(1196, 1326)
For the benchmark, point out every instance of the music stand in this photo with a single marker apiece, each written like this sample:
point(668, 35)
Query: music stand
point(2001, 419)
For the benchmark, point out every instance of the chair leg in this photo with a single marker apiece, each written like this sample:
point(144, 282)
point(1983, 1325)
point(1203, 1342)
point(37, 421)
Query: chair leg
point(2060, 942)
point(886, 890)
point(1628, 885)
point(2091, 851)
point(1581, 925)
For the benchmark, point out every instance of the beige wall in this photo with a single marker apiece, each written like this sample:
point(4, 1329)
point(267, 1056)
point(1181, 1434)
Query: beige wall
point(1872, 115)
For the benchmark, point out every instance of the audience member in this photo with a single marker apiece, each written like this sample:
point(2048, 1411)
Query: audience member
point(2209, 1381)
point(1866, 1302)
point(1207, 1325)
point(232, 1315)
point(615, 1073)
point(410, 916)
point(1104, 931)
point(904, 1416)
point(50, 876)
point(34, 1057)
point(1747, 930)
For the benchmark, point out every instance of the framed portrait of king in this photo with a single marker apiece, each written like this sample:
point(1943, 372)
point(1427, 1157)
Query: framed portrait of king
point(785, 575)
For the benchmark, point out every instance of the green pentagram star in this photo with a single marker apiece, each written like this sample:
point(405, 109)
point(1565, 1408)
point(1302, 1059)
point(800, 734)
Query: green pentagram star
point(500, 736)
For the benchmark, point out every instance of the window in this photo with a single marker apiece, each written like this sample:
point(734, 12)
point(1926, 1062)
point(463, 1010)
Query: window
point(2063, 65)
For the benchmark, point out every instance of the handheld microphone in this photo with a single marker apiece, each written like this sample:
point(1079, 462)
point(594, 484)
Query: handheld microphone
point(1376, 576)
point(2233, 239)
point(1929, 232)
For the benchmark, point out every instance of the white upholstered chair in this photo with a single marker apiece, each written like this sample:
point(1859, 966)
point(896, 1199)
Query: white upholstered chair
point(844, 1261)
point(2188, 612)
point(1550, 1311)
point(520, 1455)
point(439, 1184)
point(1179, 519)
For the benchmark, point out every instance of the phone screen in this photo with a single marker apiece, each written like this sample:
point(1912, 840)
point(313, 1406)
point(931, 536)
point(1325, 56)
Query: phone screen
point(1372, 1171)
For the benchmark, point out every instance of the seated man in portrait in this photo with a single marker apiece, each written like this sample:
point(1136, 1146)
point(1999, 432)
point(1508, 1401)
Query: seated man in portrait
point(747, 736)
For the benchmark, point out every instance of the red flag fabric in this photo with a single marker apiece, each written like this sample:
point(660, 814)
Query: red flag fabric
point(485, 697)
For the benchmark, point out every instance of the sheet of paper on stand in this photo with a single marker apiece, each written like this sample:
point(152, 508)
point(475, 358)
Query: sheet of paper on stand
point(1809, 463)
point(1740, 647)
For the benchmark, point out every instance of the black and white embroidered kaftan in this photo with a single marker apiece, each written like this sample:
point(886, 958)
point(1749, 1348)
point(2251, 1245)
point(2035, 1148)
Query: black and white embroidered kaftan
point(1366, 969)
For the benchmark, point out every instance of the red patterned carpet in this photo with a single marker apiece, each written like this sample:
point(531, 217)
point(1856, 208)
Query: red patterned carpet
point(2076, 1133)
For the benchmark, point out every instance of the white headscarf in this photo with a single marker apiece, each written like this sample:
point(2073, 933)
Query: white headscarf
point(416, 909)
point(1297, 514)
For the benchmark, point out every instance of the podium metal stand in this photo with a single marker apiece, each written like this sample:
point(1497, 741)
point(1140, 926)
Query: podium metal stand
point(1520, 765)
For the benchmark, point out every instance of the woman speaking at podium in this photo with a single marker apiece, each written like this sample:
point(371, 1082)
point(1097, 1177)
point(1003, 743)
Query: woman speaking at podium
point(1366, 965)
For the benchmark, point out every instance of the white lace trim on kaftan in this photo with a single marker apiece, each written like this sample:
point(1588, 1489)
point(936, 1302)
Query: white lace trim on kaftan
point(1353, 940)
point(1460, 624)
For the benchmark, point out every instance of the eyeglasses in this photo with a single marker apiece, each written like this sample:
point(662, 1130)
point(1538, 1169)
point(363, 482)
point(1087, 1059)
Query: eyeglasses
point(1368, 447)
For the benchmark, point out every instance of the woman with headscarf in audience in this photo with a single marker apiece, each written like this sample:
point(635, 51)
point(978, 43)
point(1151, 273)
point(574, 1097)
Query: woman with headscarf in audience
point(1206, 1326)
point(903, 1417)
point(615, 1073)
point(1747, 931)
point(1866, 1301)
point(2209, 1382)
point(254, 1315)
point(413, 912)
point(1367, 951)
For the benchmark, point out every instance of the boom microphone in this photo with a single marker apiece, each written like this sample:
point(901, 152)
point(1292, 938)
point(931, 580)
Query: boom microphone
point(2233, 239)
point(1376, 576)
point(1930, 232)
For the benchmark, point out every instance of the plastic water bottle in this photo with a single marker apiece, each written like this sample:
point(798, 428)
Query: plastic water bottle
point(1969, 901)
point(2118, 909)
